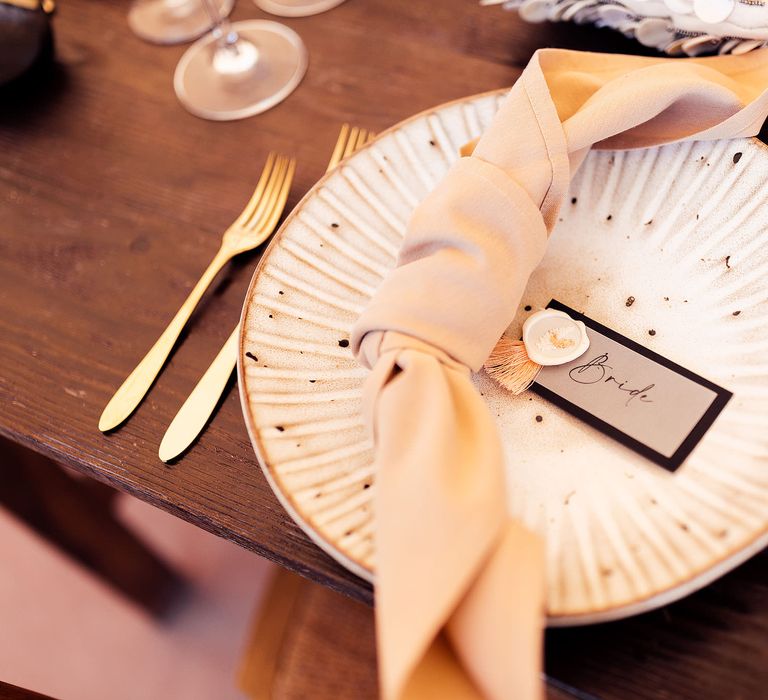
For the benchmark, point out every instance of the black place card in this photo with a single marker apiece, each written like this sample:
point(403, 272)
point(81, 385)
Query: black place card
point(634, 395)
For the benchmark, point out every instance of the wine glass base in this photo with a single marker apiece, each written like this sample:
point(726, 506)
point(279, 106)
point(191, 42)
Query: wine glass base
point(208, 90)
point(296, 8)
point(172, 21)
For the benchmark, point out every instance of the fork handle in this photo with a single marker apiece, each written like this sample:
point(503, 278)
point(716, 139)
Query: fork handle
point(200, 404)
point(133, 389)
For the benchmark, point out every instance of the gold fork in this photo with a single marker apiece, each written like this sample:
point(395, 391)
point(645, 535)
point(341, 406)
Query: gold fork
point(249, 230)
point(200, 404)
point(350, 139)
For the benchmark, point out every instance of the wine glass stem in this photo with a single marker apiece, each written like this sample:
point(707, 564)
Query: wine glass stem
point(221, 27)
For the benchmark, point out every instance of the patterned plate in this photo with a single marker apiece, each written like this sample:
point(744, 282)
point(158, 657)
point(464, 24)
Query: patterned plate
point(680, 228)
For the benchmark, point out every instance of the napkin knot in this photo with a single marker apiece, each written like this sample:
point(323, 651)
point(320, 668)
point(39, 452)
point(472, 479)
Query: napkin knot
point(388, 354)
point(459, 293)
point(375, 345)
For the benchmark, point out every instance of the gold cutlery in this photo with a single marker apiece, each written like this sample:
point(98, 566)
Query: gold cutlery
point(350, 139)
point(197, 409)
point(254, 225)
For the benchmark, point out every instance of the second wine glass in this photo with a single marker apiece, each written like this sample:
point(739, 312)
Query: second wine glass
point(172, 21)
point(296, 8)
point(239, 69)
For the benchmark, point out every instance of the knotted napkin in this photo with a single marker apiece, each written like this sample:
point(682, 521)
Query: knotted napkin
point(459, 585)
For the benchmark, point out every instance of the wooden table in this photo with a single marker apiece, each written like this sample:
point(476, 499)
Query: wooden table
point(112, 199)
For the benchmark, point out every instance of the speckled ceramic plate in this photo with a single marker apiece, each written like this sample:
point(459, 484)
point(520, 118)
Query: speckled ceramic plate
point(681, 228)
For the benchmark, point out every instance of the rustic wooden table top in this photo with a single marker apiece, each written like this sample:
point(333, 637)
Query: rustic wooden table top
point(112, 200)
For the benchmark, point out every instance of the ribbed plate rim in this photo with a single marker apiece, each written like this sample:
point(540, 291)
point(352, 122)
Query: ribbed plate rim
point(694, 582)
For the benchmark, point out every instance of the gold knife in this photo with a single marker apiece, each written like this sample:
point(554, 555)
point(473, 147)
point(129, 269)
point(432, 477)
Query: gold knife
point(255, 225)
point(197, 409)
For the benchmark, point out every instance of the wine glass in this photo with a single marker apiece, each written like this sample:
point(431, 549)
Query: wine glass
point(239, 69)
point(296, 8)
point(172, 21)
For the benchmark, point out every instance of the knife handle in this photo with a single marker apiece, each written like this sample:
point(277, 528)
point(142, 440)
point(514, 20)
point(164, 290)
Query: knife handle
point(194, 414)
point(133, 389)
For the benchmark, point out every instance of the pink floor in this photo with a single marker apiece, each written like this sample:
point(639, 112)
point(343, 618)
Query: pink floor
point(64, 633)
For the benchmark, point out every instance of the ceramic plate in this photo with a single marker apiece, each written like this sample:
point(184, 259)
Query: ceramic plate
point(680, 228)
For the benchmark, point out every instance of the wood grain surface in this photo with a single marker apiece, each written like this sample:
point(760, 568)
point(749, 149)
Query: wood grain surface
point(113, 199)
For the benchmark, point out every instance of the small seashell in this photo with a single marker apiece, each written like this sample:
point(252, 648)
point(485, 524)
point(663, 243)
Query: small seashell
point(566, 9)
point(584, 16)
point(697, 45)
point(555, 10)
point(611, 15)
point(747, 46)
point(681, 7)
point(535, 10)
point(713, 11)
point(729, 45)
point(566, 13)
point(675, 48)
point(627, 28)
point(570, 13)
point(654, 32)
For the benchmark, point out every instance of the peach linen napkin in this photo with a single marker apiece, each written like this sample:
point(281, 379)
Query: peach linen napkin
point(459, 585)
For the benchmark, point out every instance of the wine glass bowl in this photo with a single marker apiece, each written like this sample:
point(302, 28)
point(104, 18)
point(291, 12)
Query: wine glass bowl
point(173, 21)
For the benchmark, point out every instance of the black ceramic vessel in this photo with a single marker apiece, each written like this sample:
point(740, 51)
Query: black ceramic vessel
point(25, 35)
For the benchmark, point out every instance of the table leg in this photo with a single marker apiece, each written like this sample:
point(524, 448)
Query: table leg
point(75, 515)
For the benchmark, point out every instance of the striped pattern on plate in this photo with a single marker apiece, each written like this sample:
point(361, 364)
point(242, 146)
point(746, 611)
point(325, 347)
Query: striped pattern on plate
point(681, 228)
